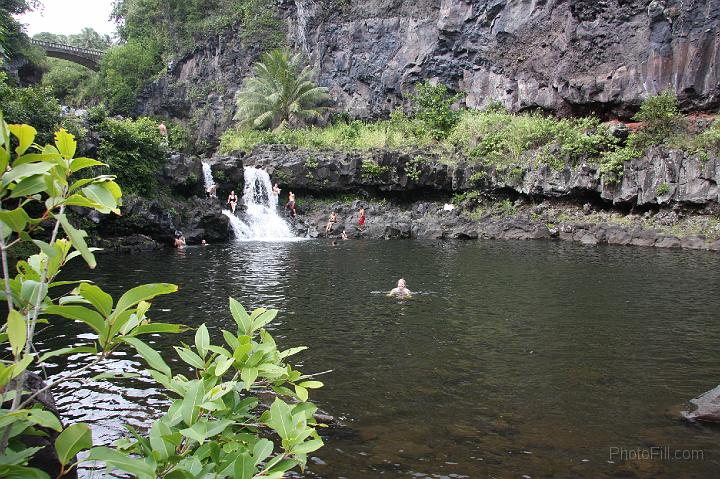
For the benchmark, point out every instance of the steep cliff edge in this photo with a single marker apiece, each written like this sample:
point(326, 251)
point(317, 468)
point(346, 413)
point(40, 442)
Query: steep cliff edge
point(566, 57)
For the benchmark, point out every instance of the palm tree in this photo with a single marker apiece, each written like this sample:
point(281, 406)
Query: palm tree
point(280, 93)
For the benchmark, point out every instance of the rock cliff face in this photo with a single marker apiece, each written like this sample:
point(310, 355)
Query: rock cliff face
point(566, 57)
point(660, 178)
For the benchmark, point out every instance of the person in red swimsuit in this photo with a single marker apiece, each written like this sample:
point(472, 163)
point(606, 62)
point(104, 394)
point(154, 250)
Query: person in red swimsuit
point(361, 221)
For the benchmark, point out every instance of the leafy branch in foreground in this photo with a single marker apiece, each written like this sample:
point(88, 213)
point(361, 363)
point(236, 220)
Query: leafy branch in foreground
point(216, 426)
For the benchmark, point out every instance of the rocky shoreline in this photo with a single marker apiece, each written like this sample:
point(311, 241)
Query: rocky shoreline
point(417, 195)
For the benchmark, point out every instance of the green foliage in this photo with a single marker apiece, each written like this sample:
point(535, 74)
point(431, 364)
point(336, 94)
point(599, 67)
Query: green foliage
point(371, 169)
point(660, 116)
point(134, 150)
point(471, 195)
point(32, 105)
point(478, 177)
point(87, 38)
point(311, 162)
point(501, 138)
point(433, 105)
point(662, 189)
point(13, 41)
point(414, 167)
point(70, 83)
point(124, 70)
point(399, 133)
point(179, 137)
point(506, 208)
point(214, 426)
point(280, 93)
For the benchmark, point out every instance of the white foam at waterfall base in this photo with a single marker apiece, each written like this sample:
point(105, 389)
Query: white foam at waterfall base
point(260, 221)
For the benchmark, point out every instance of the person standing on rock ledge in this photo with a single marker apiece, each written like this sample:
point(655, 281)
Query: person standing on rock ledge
point(361, 220)
point(290, 206)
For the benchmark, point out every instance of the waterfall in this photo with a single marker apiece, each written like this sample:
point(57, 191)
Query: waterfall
point(207, 175)
point(260, 221)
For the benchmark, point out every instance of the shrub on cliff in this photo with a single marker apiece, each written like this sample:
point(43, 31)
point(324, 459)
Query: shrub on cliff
point(124, 70)
point(433, 105)
point(280, 92)
point(134, 150)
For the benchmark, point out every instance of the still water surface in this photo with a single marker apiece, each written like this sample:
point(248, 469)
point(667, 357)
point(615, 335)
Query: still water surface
point(517, 358)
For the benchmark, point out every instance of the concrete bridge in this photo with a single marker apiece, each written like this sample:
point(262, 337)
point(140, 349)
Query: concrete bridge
point(83, 56)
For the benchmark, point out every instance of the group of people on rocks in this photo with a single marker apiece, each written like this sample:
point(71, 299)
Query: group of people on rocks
point(334, 219)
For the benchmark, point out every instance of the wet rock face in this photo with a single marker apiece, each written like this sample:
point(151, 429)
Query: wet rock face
point(567, 57)
point(660, 178)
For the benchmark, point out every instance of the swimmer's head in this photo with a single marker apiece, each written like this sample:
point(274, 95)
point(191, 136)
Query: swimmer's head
point(401, 283)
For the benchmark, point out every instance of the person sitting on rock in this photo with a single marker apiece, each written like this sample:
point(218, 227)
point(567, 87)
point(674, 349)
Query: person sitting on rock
point(331, 222)
point(276, 190)
point(232, 200)
point(344, 235)
point(401, 291)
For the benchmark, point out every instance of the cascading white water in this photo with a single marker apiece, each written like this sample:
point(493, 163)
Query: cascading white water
point(261, 221)
point(207, 175)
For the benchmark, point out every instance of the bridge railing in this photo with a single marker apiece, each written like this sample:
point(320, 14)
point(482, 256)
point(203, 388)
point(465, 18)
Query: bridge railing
point(67, 48)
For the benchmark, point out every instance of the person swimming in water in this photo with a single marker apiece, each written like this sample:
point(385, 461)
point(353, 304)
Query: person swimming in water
point(401, 291)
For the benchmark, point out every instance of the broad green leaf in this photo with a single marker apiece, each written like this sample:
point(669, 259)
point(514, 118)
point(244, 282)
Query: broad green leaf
point(75, 438)
point(307, 446)
point(65, 143)
point(190, 357)
point(281, 419)
point(118, 460)
point(4, 144)
point(16, 219)
point(264, 318)
point(248, 375)
point(291, 351)
point(216, 427)
point(44, 418)
point(301, 393)
point(29, 186)
point(151, 356)
point(78, 200)
point(164, 328)
point(193, 398)
point(25, 135)
point(160, 440)
point(223, 364)
point(102, 301)
point(311, 384)
point(17, 331)
point(240, 316)
point(142, 293)
point(101, 193)
point(244, 467)
point(197, 432)
point(25, 171)
point(202, 340)
point(262, 449)
point(77, 237)
point(19, 367)
point(14, 471)
point(80, 313)
point(37, 158)
point(231, 339)
point(79, 163)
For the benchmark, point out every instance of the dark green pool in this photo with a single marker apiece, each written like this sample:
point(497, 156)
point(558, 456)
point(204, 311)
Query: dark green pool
point(516, 358)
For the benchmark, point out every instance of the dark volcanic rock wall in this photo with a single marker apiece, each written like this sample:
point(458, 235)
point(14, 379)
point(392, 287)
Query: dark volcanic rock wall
point(567, 57)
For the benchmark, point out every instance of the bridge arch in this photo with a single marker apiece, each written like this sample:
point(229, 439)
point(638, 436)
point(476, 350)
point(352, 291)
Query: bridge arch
point(83, 56)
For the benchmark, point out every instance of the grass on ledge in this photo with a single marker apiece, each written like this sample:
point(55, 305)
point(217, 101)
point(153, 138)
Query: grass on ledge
point(493, 137)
